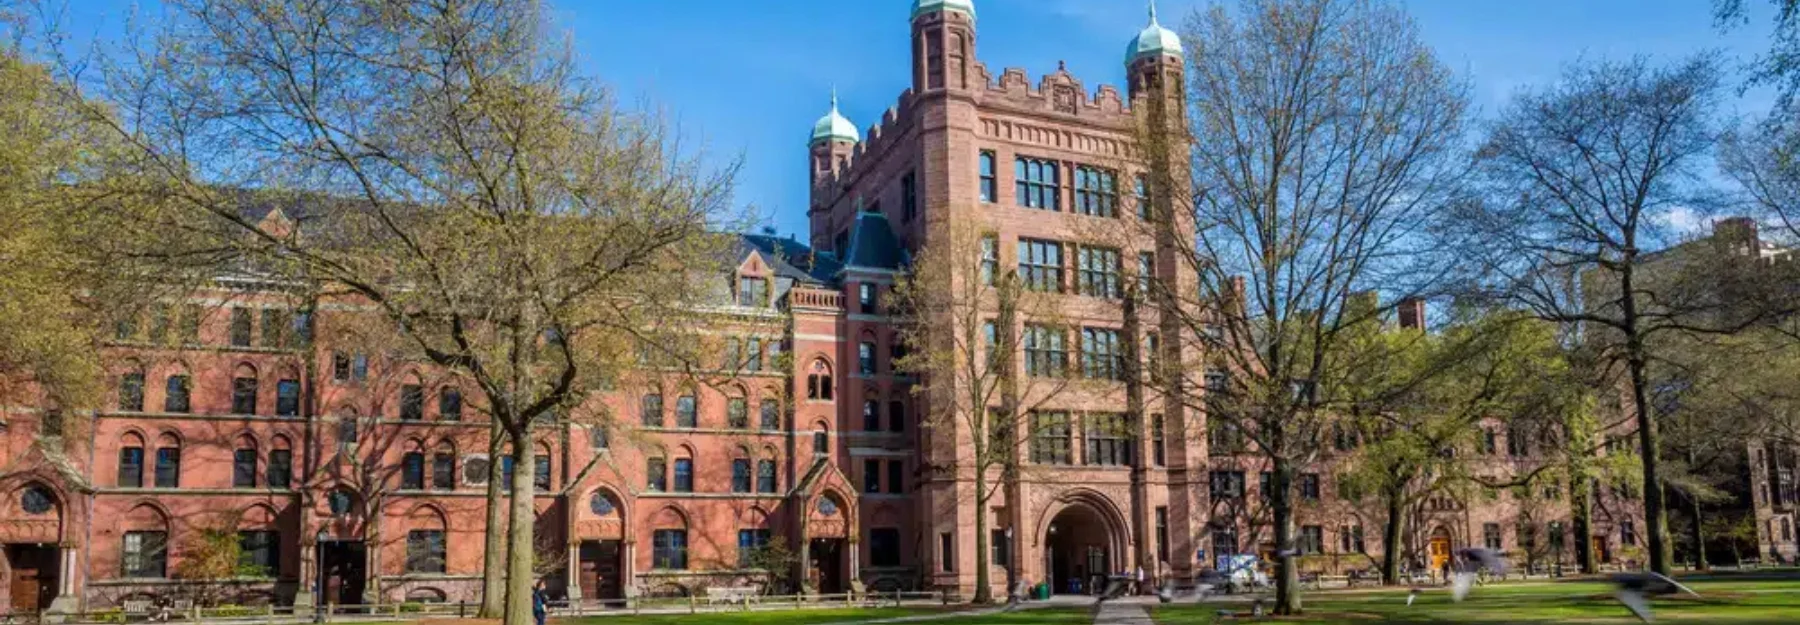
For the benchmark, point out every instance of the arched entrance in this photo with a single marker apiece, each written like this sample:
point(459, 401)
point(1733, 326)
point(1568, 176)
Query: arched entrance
point(1440, 548)
point(1080, 550)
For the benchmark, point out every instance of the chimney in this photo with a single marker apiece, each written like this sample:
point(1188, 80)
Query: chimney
point(1412, 313)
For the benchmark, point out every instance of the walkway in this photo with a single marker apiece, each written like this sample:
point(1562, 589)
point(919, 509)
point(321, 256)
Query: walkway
point(1116, 613)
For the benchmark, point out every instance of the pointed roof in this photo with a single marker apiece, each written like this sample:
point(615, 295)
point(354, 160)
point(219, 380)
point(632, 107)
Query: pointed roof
point(873, 245)
point(834, 126)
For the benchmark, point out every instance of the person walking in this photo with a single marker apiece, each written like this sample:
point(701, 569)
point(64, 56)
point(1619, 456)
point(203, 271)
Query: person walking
point(540, 608)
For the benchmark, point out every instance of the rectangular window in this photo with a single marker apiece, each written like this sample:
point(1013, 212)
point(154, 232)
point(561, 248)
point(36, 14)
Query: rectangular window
point(687, 412)
point(753, 292)
point(1162, 534)
point(274, 327)
point(1146, 271)
point(1143, 197)
point(871, 417)
point(243, 396)
point(1312, 539)
point(865, 297)
point(999, 548)
point(159, 323)
point(168, 467)
point(541, 476)
point(740, 475)
point(145, 554)
point(1224, 437)
point(871, 476)
point(947, 552)
point(989, 184)
point(1518, 441)
point(1096, 191)
point(131, 467)
point(770, 419)
point(684, 475)
point(450, 404)
point(1041, 265)
point(259, 553)
point(426, 551)
point(359, 367)
point(175, 394)
point(896, 482)
point(656, 475)
point(412, 471)
point(287, 398)
point(443, 471)
point(1627, 534)
point(865, 357)
point(737, 413)
point(765, 476)
point(990, 259)
point(884, 547)
point(1224, 541)
point(1050, 438)
point(749, 541)
point(1098, 272)
point(243, 468)
point(1490, 536)
point(753, 355)
point(1046, 356)
point(412, 402)
point(1109, 440)
point(1158, 451)
point(651, 411)
point(240, 327)
point(668, 550)
point(1101, 358)
point(1227, 484)
point(340, 367)
point(280, 471)
point(909, 197)
point(1037, 183)
point(1309, 486)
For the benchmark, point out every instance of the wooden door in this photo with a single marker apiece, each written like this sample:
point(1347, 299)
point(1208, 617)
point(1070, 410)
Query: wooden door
point(1440, 550)
point(600, 570)
point(33, 577)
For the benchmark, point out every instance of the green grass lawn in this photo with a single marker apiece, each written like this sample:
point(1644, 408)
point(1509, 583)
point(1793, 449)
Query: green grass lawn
point(1741, 603)
point(837, 615)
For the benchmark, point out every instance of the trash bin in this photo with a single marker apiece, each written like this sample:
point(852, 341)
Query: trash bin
point(1043, 591)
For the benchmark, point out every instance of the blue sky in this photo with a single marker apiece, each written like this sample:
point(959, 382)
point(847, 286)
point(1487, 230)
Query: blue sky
point(746, 79)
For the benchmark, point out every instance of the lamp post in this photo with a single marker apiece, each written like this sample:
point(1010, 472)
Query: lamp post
point(1012, 569)
point(319, 576)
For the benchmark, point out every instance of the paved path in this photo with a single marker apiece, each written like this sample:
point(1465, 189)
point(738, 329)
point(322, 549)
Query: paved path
point(1114, 613)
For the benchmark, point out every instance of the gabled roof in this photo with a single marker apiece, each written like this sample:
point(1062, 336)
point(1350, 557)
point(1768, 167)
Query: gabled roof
point(873, 245)
point(792, 259)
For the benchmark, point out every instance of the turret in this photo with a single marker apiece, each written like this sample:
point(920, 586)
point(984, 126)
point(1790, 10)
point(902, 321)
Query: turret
point(833, 139)
point(943, 45)
point(1154, 59)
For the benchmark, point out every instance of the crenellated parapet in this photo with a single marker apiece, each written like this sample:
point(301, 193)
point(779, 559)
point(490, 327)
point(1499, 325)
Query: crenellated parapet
point(880, 138)
point(1057, 93)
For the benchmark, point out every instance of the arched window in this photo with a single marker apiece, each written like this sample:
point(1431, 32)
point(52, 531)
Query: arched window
point(601, 505)
point(821, 443)
point(347, 430)
point(684, 475)
point(687, 411)
point(651, 410)
point(168, 462)
point(412, 399)
point(243, 463)
point(871, 414)
point(131, 461)
point(287, 395)
point(131, 391)
point(280, 470)
point(443, 467)
point(737, 412)
point(426, 548)
point(818, 382)
point(771, 415)
point(243, 390)
point(541, 474)
point(175, 394)
point(340, 502)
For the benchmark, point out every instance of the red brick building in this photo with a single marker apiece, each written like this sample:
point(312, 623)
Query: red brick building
point(353, 477)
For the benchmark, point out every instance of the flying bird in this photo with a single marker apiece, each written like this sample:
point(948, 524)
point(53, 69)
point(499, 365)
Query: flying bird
point(1635, 590)
point(1472, 560)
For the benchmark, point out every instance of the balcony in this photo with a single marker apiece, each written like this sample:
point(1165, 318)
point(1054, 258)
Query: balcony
point(805, 299)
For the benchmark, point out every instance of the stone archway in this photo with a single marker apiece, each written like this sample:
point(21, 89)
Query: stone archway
point(1083, 543)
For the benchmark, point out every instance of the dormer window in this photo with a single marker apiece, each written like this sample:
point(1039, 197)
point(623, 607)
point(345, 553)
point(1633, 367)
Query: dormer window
point(753, 292)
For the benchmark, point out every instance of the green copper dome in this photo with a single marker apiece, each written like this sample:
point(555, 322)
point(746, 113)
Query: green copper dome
point(1153, 41)
point(834, 126)
point(921, 7)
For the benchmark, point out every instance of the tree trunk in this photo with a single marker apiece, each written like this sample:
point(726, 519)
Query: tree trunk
point(1656, 517)
point(1581, 511)
point(493, 549)
point(1287, 580)
point(1699, 534)
point(1390, 537)
point(983, 592)
point(520, 556)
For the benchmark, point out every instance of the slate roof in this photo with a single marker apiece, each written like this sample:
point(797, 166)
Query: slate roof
point(793, 259)
point(873, 245)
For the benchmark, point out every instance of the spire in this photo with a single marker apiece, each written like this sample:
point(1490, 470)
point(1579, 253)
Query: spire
point(1153, 12)
point(1153, 40)
point(834, 126)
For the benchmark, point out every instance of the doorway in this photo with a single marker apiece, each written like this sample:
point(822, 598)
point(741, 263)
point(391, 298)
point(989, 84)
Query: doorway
point(1440, 549)
point(1078, 547)
point(827, 565)
point(343, 564)
point(601, 570)
point(34, 577)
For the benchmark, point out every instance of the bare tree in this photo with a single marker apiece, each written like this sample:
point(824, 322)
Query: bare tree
point(446, 165)
point(1582, 178)
point(969, 317)
point(1324, 140)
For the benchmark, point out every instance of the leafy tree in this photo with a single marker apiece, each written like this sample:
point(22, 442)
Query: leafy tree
point(449, 170)
point(1324, 140)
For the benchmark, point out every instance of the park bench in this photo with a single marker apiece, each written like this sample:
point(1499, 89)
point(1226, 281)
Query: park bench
point(136, 608)
point(731, 594)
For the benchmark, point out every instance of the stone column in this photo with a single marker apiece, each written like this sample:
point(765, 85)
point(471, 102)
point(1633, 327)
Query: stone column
point(572, 572)
point(309, 571)
point(67, 599)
